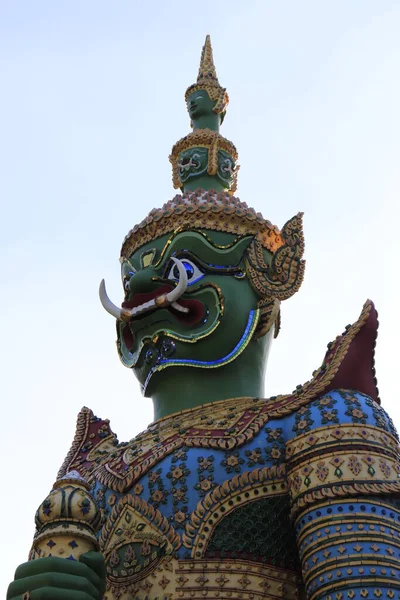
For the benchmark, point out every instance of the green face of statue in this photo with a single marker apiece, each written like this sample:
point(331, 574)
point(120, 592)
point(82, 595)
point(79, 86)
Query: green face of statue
point(221, 305)
point(199, 104)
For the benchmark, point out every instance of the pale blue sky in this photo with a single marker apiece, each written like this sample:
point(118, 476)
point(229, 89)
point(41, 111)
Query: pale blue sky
point(92, 101)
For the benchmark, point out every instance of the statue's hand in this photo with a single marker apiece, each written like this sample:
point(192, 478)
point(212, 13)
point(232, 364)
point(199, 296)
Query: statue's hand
point(54, 578)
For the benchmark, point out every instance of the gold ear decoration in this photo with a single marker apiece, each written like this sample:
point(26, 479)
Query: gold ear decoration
point(284, 276)
point(269, 315)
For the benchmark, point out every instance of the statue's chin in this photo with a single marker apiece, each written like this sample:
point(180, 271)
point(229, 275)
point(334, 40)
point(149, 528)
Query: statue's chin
point(168, 354)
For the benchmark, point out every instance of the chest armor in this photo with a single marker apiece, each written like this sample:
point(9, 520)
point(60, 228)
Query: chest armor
point(195, 506)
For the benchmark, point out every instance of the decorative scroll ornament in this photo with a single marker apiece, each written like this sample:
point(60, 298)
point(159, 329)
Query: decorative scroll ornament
point(227, 170)
point(207, 79)
point(192, 163)
point(220, 159)
point(284, 275)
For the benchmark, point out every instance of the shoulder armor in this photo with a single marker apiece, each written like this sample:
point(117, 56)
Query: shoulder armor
point(92, 444)
point(349, 361)
point(348, 364)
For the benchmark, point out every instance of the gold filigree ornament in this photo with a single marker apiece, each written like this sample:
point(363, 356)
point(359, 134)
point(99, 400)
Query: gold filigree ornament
point(135, 540)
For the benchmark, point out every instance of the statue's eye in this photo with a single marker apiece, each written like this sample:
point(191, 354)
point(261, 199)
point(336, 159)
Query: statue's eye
point(126, 280)
point(192, 270)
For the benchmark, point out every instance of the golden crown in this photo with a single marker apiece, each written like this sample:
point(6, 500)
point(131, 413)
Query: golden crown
point(203, 210)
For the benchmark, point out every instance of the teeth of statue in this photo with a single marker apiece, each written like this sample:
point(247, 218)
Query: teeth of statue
point(142, 308)
point(106, 302)
point(169, 299)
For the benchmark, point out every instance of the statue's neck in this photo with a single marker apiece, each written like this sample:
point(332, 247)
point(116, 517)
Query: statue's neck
point(204, 182)
point(209, 121)
point(178, 388)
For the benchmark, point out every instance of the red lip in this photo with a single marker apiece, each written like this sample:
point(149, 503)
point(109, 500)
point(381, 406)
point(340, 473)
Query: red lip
point(193, 317)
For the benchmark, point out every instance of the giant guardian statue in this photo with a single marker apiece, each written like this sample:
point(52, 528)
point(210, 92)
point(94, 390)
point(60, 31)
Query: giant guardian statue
point(227, 494)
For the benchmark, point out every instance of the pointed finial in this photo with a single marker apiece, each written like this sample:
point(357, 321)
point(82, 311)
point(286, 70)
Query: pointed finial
point(207, 72)
point(207, 79)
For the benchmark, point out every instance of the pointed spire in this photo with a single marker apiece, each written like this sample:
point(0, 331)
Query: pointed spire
point(207, 79)
point(207, 72)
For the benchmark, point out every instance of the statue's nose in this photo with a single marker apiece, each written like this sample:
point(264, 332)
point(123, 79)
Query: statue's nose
point(143, 282)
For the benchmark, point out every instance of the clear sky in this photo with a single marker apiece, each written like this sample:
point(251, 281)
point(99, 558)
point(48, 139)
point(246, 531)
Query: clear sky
point(92, 99)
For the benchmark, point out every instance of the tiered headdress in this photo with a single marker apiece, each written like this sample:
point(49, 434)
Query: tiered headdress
point(207, 79)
